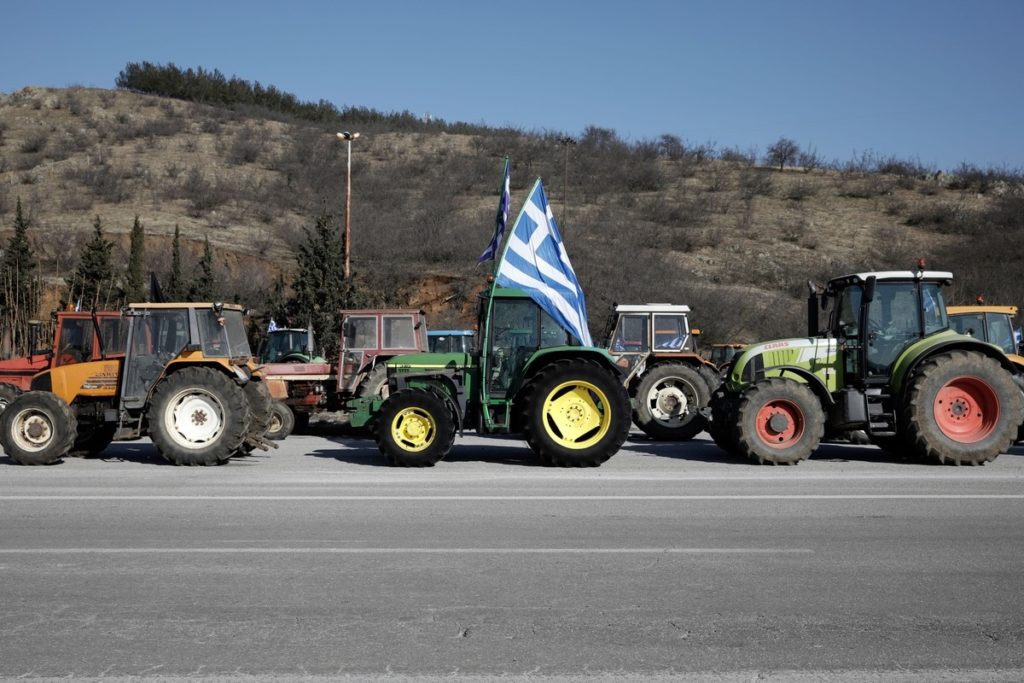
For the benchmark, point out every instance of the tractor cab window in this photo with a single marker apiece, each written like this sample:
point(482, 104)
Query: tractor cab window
point(847, 314)
point(222, 334)
point(360, 332)
point(933, 308)
point(894, 322)
point(670, 333)
point(115, 334)
point(971, 324)
point(514, 337)
point(156, 336)
point(631, 335)
point(75, 344)
point(399, 332)
point(1000, 333)
point(281, 343)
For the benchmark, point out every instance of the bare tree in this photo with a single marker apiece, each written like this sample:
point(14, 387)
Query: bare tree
point(783, 152)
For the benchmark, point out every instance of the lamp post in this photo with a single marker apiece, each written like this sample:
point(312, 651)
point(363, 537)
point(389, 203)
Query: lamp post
point(348, 138)
point(565, 142)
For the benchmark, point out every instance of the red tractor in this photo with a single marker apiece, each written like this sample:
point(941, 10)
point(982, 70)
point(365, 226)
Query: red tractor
point(368, 339)
point(74, 341)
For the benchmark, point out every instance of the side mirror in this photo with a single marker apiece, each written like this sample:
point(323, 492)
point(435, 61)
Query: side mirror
point(869, 290)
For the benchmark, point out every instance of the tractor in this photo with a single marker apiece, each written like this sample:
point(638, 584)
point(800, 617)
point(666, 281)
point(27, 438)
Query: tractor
point(74, 340)
point(451, 341)
point(184, 377)
point(369, 337)
point(289, 345)
point(528, 375)
point(668, 382)
point(888, 364)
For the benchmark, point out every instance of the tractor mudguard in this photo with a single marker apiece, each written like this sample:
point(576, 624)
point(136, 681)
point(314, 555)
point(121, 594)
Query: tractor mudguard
point(947, 340)
point(443, 384)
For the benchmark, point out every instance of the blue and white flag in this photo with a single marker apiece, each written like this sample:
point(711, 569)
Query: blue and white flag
point(502, 219)
point(272, 327)
point(535, 261)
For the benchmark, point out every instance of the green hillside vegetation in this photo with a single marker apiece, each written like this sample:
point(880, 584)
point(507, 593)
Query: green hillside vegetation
point(258, 176)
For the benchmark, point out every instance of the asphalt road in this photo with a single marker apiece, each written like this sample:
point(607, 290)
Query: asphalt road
point(317, 560)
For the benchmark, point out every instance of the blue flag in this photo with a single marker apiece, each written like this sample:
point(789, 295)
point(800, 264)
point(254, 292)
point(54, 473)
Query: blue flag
point(502, 219)
point(536, 262)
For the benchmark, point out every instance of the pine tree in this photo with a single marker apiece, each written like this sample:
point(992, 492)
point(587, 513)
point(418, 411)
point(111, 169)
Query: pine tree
point(204, 284)
point(92, 282)
point(319, 285)
point(176, 290)
point(135, 288)
point(19, 295)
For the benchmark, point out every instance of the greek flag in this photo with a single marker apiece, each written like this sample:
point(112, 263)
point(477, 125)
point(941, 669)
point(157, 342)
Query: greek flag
point(272, 327)
point(535, 261)
point(500, 221)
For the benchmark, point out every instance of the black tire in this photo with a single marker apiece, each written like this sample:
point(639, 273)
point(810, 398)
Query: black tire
point(282, 421)
point(669, 399)
point(575, 413)
point(722, 426)
point(962, 408)
point(37, 428)
point(414, 428)
point(8, 392)
point(261, 411)
point(375, 383)
point(711, 377)
point(213, 414)
point(93, 440)
point(779, 421)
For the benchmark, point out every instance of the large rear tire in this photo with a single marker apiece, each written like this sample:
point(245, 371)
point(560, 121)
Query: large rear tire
point(780, 422)
point(375, 383)
point(260, 411)
point(414, 428)
point(575, 413)
point(198, 416)
point(37, 428)
point(963, 408)
point(668, 402)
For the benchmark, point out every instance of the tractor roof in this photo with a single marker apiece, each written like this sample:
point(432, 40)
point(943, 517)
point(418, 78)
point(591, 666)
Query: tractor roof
point(451, 333)
point(189, 304)
point(942, 276)
point(1008, 310)
point(652, 308)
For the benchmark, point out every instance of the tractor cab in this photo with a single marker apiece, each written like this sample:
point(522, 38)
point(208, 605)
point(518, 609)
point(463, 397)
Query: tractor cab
point(518, 328)
point(289, 345)
point(644, 329)
point(370, 337)
point(992, 324)
point(877, 316)
point(451, 341)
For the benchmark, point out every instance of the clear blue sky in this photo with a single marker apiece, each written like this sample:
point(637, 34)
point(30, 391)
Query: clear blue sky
point(936, 80)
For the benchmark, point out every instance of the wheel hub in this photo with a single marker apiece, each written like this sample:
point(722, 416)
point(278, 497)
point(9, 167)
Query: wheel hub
point(668, 402)
point(778, 423)
point(36, 429)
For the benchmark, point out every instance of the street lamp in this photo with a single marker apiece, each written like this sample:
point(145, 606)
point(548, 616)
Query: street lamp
point(348, 138)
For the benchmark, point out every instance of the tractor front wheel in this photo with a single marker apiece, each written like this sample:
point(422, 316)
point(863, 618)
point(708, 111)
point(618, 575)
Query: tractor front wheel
point(8, 392)
point(414, 428)
point(260, 411)
point(668, 402)
point(37, 428)
point(963, 408)
point(722, 427)
point(282, 421)
point(198, 416)
point(779, 422)
point(575, 414)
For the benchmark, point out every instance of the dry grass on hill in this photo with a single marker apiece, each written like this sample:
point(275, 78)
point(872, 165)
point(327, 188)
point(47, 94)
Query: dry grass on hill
point(734, 239)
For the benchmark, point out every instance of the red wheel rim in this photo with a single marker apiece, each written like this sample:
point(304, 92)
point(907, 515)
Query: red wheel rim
point(780, 423)
point(966, 409)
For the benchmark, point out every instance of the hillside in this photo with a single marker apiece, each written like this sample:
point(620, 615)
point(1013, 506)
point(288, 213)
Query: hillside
point(656, 221)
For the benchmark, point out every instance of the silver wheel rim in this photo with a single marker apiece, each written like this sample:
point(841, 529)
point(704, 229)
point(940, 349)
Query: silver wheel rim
point(33, 430)
point(194, 418)
point(668, 402)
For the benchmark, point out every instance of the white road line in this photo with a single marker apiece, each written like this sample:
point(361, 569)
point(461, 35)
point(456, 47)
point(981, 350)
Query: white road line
point(756, 497)
point(404, 551)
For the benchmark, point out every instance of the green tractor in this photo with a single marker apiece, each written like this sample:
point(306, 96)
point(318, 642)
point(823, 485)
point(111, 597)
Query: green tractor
point(528, 375)
point(887, 364)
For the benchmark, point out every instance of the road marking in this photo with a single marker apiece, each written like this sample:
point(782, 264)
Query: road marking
point(402, 551)
point(738, 497)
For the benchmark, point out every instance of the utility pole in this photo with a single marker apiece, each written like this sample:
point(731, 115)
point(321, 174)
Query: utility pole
point(348, 138)
point(566, 142)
